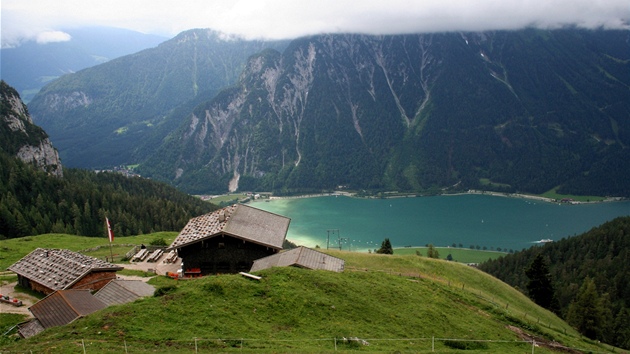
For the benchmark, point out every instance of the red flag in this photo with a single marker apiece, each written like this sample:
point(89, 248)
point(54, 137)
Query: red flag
point(110, 233)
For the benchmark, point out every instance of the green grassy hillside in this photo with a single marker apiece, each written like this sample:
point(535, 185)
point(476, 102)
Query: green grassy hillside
point(462, 255)
point(393, 303)
point(12, 250)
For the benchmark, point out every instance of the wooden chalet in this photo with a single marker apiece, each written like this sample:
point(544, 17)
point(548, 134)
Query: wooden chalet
point(301, 257)
point(48, 270)
point(228, 240)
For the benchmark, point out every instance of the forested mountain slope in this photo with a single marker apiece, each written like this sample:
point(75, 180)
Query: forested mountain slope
point(600, 256)
point(511, 111)
point(33, 203)
point(100, 116)
point(36, 198)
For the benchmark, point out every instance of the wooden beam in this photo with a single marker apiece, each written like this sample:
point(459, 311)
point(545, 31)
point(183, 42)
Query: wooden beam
point(251, 276)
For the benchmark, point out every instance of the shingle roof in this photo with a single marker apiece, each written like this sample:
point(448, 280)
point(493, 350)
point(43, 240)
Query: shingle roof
point(58, 269)
point(65, 306)
point(238, 220)
point(123, 291)
point(30, 328)
point(300, 257)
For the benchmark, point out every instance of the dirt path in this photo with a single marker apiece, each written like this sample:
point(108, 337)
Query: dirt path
point(27, 300)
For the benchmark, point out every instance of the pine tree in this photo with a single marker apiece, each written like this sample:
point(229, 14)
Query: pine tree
point(432, 252)
point(540, 287)
point(386, 247)
point(622, 328)
point(586, 312)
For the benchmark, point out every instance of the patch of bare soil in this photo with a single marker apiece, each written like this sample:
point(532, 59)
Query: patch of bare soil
point(542, 342)
point(27, 300)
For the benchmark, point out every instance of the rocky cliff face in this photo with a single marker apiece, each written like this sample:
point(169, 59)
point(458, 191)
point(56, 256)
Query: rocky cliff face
point(21, 138)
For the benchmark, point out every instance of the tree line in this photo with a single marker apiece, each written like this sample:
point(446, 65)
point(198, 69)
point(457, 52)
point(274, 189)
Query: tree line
point(585, 279)
point(33, 203)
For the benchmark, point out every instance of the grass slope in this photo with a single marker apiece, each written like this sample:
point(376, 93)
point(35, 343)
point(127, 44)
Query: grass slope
point(462, 255)
point(12, 250)
point(395, 303)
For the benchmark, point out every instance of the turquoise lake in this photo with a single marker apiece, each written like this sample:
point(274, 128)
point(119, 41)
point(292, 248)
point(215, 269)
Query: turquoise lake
point(483, 220)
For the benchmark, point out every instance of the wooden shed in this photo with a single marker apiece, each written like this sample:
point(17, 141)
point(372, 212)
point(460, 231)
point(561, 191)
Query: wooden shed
point(302, 257)
point(121, 291)
point(47, 270)
point(228, 240)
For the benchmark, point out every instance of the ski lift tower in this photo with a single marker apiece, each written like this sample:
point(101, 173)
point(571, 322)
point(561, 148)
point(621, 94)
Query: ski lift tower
point(333, 232)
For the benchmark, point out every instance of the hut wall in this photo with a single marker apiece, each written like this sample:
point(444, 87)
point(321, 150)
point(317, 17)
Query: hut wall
point(24, 281)
point(221, 254)
point(40, 288)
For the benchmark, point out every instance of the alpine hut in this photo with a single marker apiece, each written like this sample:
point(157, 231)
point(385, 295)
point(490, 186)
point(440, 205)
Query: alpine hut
point(48, 270)
point(229, 240)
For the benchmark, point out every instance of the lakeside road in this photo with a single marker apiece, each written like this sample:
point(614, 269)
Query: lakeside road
point(511, 195)
point(414, 195)
point(472, 191)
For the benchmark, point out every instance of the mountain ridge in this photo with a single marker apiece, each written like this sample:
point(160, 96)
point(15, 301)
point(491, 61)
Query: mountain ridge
point(416, 112)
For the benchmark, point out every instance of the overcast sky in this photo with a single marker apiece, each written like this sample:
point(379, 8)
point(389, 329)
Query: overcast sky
point(44, 20)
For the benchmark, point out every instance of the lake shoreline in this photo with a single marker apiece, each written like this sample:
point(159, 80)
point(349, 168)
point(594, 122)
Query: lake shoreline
point(475, 219)
point(568, 201)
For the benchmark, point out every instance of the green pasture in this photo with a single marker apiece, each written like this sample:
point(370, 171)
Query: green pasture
point(553, 194)
point(12, 250)
point(461, 255)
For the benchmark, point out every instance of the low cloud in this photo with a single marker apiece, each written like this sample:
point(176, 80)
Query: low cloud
point(52, 36)
point(276, 19)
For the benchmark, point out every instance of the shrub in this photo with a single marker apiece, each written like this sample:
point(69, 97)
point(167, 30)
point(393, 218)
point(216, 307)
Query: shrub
point(465, 345)
point(159, 242)
point(214, 288)
point(164, 290)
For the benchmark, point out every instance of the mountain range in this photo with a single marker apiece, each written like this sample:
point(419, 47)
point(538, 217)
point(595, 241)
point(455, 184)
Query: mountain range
point(527, 111)
point(31, 65)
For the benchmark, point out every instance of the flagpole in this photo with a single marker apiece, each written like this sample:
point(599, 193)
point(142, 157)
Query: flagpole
point(111, 252)
point(110, 237)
